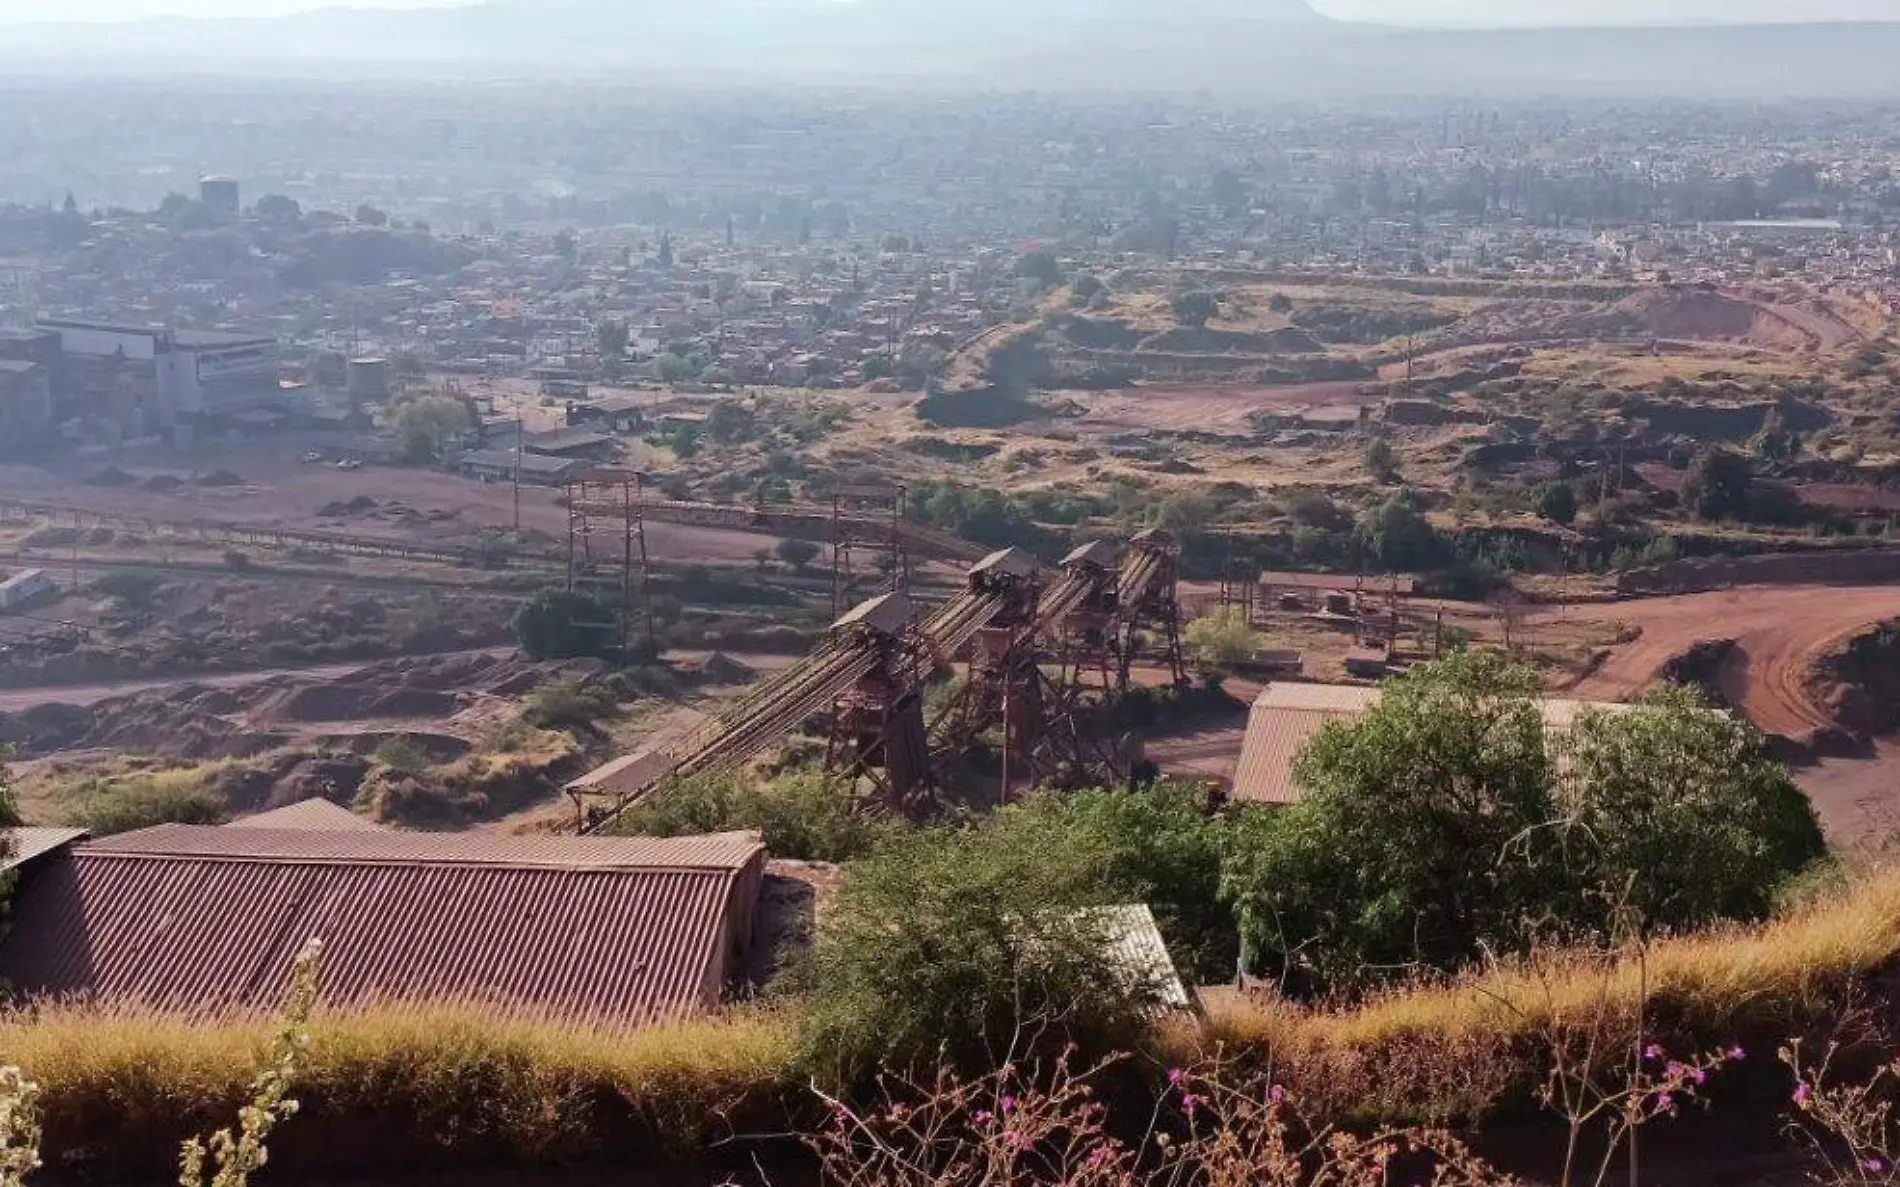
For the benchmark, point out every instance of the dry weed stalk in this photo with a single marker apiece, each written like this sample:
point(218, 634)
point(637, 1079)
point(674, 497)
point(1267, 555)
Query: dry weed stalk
point(235, 1156)
point(1848, 1123)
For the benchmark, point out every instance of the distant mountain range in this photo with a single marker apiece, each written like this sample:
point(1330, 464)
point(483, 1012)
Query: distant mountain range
point(1268, 47)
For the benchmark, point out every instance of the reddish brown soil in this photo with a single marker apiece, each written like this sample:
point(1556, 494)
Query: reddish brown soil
point(1783, 630)
point(278, 491)
point(1209, 408)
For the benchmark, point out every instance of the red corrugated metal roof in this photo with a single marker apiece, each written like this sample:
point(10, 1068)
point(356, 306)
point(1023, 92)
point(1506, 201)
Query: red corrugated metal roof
point(723, 851)
point(204, 934)
point(24, 845)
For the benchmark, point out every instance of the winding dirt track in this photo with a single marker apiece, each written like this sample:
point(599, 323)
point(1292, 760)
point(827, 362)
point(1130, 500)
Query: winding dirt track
point(1783, 630)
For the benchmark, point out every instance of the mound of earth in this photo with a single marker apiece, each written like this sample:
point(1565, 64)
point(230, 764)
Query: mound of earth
point(1859, 684)
point(721, 668)
point(356, 701)
point(437, 748)
point(1718, 667)
point(1693, 313)
point(328, 776)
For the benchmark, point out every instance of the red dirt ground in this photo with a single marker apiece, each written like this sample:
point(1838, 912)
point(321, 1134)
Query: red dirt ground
point(277, 491)
point(1783, 631)
point(1214, 409)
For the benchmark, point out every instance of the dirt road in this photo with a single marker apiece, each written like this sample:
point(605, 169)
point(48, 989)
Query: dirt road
point(1783, 631)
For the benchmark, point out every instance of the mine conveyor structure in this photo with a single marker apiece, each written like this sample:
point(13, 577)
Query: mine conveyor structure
point(1032, 642)
point(875, 648)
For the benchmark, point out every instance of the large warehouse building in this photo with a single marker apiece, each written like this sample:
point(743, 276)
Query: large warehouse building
point(600, 931)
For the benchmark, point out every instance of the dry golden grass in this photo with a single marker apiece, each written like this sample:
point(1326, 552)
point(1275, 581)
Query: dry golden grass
point(1458, 1051)
point(457, 1079)
point(469, 1085)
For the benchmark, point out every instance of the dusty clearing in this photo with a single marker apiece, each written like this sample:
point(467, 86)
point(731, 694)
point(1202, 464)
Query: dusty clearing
point(276, 490)
point(1783, 630)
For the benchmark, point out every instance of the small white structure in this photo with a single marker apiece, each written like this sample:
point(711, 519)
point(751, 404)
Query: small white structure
point(25, 588)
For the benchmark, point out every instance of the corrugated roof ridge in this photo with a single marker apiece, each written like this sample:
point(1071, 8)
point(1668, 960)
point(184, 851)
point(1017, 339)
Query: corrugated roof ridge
point(308, 859)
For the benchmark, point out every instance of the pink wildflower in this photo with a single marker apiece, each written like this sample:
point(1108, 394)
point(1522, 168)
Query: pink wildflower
point(1276, 1094)
point(1801, 1093)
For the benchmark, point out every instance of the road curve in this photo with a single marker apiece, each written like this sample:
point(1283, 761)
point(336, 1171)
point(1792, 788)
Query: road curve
point(1782, 629)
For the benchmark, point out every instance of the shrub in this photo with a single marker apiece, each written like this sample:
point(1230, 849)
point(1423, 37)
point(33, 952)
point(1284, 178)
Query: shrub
point(1224, 638)
point(569, 705)
point(797, 553)
point(104, 807)
point(1444, 827)
point(1557, 502)
point(945, 939)
point(565, 624)
point(134, 587)
point(801, 815)
point(402, 754)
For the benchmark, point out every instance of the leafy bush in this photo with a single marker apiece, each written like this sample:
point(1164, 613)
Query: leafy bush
point(946, 939)
point(801, 815)
point(1443, 827)
point(569, 705)
point(566, 624)
point(1223, 639)
point(402, 754)
point(134, 587)
point(105, 807)
point(1557, 502)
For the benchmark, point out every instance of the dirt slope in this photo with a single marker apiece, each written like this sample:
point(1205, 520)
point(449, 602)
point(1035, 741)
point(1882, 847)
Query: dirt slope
point(1783, 631)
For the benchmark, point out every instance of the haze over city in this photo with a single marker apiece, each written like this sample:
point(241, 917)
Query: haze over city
point(950, 593)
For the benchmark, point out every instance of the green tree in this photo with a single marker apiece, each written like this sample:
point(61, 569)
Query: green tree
point(1417, 844)
point(1399, 535)
point(566, 624)
point(611, 339)
point(1557, 502)
point(1041, 267)
point(428, 425)
point(796, 553)
point(1448, 824)
point(370, 216)
point(947, 937)
point(1380, 458)
point(1195, 309)
point(671, 368)
point(1719, 484)
point(1280, 303)
point(1224, 638)
point(1685, 818)
point(1085, 287)
point(730, 423)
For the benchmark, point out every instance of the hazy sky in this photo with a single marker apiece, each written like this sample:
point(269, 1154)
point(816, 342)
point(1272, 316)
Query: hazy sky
point(1463, 12)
